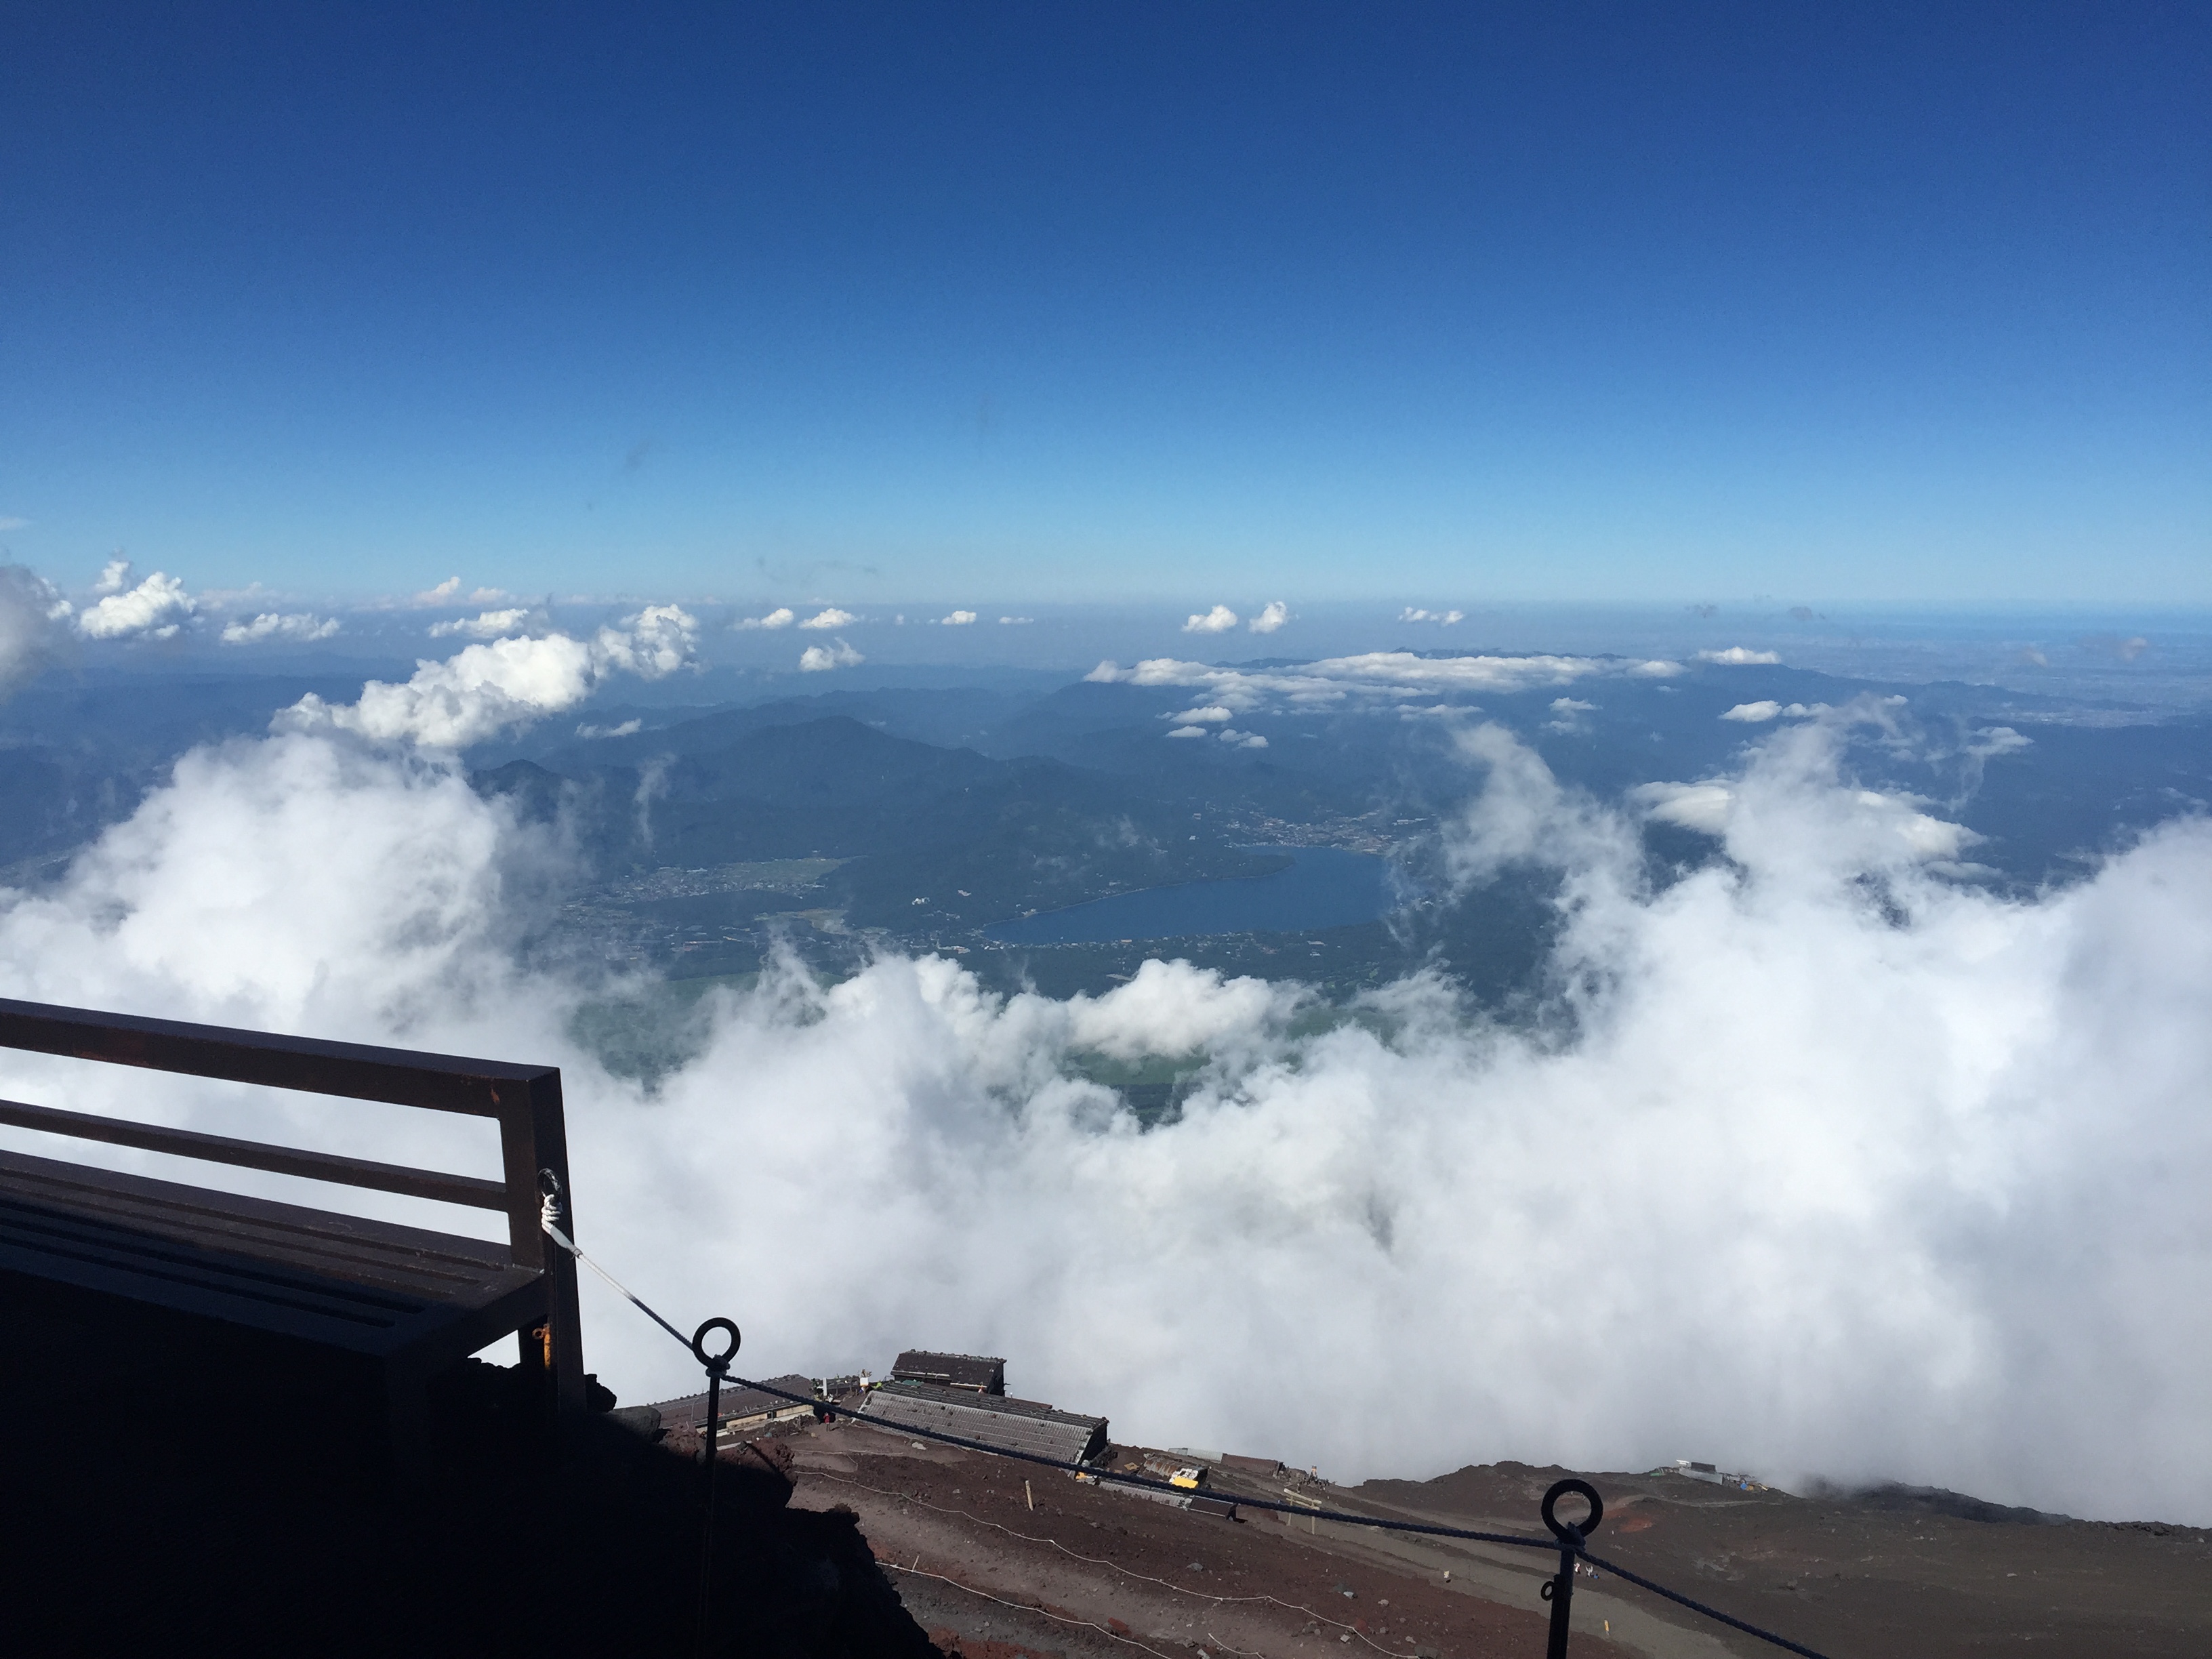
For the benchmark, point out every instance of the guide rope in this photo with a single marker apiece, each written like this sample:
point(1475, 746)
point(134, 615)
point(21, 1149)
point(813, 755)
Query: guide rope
point(1568, 1539)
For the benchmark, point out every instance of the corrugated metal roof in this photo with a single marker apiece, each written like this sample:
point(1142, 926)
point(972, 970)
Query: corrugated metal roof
point(1024, 1425)
point(952, 1371)
point(690, 1411)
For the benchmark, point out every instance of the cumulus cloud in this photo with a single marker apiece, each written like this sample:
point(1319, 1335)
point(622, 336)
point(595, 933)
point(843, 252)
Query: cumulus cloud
point(1015, 621)
point(1443, 619)
point(820, 659)
point(1792, 795)
point(1236, 739)
point(155, 609)
point(1740, 656)
point(1201, 715)
point(829, 618)
point(33, 618)
point(506, 684)
point(1220, 620)
point(1831, 1164)
point(444, 593)
point(489, 626)
point(1370, 679)
point(652, 645)
point(1754, 713)
point(1190, 731)
point(1275, 614)
point(297, 626)
point(1567, 713)
point(783, 617)
point(958, 619)
point(1700, 807)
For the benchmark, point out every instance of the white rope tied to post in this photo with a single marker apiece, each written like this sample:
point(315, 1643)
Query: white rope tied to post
point(549, 1218)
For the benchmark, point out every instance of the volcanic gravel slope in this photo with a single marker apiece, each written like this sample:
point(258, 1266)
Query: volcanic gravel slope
point(1895, 1571)
point(995, 1559)
point(999, 1560)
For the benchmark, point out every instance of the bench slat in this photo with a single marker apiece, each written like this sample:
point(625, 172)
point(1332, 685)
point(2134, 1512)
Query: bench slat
point(373, 1287)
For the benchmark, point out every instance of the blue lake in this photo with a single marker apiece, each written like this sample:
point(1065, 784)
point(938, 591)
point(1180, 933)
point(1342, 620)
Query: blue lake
point(1324, 887)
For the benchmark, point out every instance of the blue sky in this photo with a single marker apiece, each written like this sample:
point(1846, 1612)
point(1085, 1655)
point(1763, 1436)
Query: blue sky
point(1461, 305)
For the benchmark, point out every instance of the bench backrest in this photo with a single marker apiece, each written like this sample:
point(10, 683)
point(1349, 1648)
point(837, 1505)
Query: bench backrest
point(525, 1099)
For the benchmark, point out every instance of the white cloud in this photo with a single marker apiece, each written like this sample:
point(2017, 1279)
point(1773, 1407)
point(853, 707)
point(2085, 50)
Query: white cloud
point(293, 625)
point(488, 596)
point(444, 593)
point(829, 618)
point(1700, 807)
point(33, 620)
point(1371, 679)
point(1220, 620)
point(1236, 739)
point(1753, 714)
point(114, 576)
point(155, 609)
point(1567, 713)
point(958, 619)
point(1190, 716)
point(1016, 622)
point(1792, 794)
point(1827, 1147)
point(1740, 656)
point(497, 687)
point(627, 729)
point(783, 617)
point(489, 626)
point(1442, 618)
point(818, 658)
point(12, 522)
point(1272, 618)
point(1190, 731)
point(652, 644)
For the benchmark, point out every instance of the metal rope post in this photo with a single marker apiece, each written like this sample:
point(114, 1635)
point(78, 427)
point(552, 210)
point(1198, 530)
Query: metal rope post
point(1560, 1591)
point(718, 1367)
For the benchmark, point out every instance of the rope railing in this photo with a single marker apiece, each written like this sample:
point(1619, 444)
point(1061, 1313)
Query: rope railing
point(1569, 1537)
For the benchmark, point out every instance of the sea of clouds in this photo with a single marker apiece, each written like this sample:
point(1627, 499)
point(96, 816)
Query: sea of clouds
point(1820, 1160)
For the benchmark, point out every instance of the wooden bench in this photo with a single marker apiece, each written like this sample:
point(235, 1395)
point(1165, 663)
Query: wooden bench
point(405, 1301)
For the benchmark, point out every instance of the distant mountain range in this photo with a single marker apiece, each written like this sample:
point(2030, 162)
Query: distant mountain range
point(940, 810)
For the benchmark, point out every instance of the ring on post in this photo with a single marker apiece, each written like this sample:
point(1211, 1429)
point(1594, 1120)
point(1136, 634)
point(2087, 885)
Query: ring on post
point(715, 1362)
point(1567, 1532)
